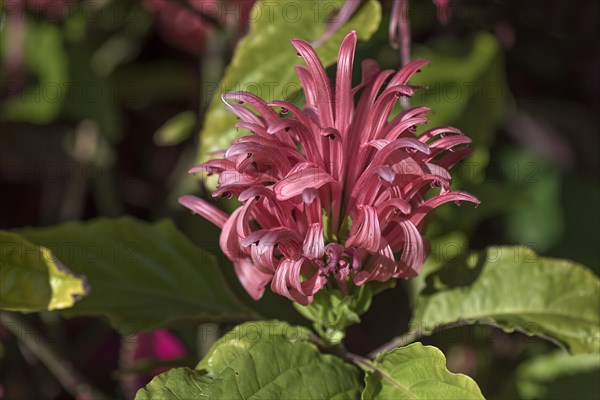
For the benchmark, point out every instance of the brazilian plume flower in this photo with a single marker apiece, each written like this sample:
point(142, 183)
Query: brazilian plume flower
point(336, 192)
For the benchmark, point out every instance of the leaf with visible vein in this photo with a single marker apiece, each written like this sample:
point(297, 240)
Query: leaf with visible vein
point(142, 276)
point(416, 372)
point(518, 290)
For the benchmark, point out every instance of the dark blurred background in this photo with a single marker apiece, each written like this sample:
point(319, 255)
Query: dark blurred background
point(102, 102)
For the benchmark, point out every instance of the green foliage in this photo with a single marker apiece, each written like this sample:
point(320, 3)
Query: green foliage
point(518, 290)
point(176, 129)
point(538, 218)
point(262, 360)
point(466, 87)
point(46, 60)
point(331, 312)
point(142, 276)
point(464, 81)
point(416, 372)
point(559, 375)
point(32, 279)
point(264, 60)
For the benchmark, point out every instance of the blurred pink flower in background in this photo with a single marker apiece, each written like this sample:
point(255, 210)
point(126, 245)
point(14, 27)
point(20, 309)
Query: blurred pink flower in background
point(188, 24)
point(158, 345)
point(336, 192)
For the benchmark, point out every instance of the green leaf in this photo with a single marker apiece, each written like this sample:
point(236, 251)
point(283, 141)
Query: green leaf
point(559, 375)
point(175, 130)
point(175, 384)
point(264, 59)
point(518, 290)
point(32, 279)
point(416, 372)
point(244, 334)
point(262, 360)
point(142, 276)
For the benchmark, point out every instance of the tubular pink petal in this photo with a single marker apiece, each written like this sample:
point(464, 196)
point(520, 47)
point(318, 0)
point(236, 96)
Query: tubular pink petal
point(229, 241)
point(203, 208)
point(439, 131)
point(243, 113)
point(253, 280)
point(437, 201)
point(302, 176)
point(259, 104)
point(379, 268)
point(314, 245)
point(344, 103)
point(307, 139)
point(447, 143)
point(382, 108)
point(390, 208)
point(413, 252)
point(402, 76)
point(358, 133)
point(386, 173)
point(296, 112)
point(255, 191)
point(287, 273)
point(401, 128)
point(309, 195)
point(324, 100)
point(213, 166)
point(309, 86)
point(366, 233)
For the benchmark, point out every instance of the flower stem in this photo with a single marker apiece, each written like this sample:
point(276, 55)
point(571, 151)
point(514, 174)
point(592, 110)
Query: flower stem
point(62, 370)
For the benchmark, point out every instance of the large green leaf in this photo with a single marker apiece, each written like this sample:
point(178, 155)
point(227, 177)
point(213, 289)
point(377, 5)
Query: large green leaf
point(559, 375)
point(263, 360)
point(141, 276)
point(32, 279)
point(517, 289)
point(416, 372)
point(264, 60)
point(242, 335)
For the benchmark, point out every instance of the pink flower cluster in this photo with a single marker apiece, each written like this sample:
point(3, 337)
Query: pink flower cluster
point(336, 192)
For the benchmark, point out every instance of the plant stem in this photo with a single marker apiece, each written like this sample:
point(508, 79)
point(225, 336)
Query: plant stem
point(398, 341)
point(362, 362)
point(413, 336)
point(62, 370)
